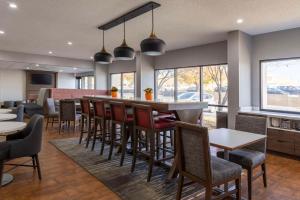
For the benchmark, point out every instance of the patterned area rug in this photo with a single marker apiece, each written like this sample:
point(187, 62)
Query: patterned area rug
point(119, 179)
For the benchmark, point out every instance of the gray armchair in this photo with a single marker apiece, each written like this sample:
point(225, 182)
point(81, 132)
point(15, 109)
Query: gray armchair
point(195, 162)
point(19, 111)
point(28, 142)
point(253, 155)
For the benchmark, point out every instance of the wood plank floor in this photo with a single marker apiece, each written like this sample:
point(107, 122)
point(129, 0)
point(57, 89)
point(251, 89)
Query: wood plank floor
point(64, 179)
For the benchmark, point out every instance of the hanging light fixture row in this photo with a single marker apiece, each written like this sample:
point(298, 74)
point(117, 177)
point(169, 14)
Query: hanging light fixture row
point(151, 46)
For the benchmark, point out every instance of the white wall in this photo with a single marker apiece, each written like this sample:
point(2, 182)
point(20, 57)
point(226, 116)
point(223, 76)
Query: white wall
point(101, 77)
point(281, 44)
point(122, 66)
point(12, 84)
point(66, 80)
point(214, 53)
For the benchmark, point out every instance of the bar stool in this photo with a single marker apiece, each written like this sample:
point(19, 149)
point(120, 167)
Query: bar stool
point(144, 122)
point(102, 118)
point(125, 121)
point(86, 118)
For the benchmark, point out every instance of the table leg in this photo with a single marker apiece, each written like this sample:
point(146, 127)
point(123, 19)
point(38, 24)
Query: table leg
point(190, 116)
point(6, 179)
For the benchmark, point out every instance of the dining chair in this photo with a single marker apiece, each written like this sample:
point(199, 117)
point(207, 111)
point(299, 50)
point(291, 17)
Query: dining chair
point(144, 122)
point(253, 155)
point(19, 111)
point(87, 117)
point(4, 153)
point(119, 117)
point(196, 163)
point(67, 114)
point(50, 113)
point(102, 118)
point(222, 119)
point(27, 143)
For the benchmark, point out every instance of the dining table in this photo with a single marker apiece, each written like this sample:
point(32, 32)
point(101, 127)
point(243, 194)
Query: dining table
point(5, 110)
point(5, 117)
point(8, 128)
point(185, 110)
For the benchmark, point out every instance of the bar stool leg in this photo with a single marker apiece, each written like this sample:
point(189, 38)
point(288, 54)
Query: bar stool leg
point(152, 154)
point(135, 146)
point(81, 129)
point(89, 132)
point(96, 123)
point(164, 144)
point(112, 139)
point(124, 139)
point(103, 135)
point(157, 145)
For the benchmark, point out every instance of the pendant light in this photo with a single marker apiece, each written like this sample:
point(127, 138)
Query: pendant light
point(124, 52)
point(153, 46)
point(103, 57)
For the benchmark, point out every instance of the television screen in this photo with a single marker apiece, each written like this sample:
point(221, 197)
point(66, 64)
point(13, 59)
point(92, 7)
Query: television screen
point(41, 79)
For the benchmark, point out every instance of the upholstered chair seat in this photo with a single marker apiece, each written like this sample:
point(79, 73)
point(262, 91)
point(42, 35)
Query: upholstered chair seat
point(245, 157)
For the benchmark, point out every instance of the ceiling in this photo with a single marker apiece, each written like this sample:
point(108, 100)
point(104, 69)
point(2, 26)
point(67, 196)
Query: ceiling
point(40, 26)
point(41, 67)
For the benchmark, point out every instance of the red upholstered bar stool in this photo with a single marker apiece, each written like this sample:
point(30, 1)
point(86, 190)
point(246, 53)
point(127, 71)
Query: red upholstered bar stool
point(102, 118)
point(144, 123)
point(86, 120)
point(119, 117)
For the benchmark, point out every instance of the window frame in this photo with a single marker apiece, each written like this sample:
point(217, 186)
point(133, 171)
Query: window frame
point(121, 89)
point(175, 81)
point(261, 85)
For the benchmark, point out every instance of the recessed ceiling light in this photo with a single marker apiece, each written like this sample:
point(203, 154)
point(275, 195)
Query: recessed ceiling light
point(70, 43)
point(74, 68)
point(37, 65)
point(27, 68)
point(50, 52)
point(239, 21)
point(13, 5)
point(2, 32)
point(92, 57)
point(61, 70)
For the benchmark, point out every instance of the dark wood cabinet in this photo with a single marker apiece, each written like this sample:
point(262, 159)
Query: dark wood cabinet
point(284, 141)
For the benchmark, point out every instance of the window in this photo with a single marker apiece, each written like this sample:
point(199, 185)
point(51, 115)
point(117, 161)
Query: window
point(208, 83)
point(188, 83)
point(280, 85)
point(125, 82)
point(164, 81)
point(85, 82)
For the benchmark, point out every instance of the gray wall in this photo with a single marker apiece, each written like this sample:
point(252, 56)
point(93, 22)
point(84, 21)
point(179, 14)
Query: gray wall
point(214, 53)
point(281, 44)
point(101, 77)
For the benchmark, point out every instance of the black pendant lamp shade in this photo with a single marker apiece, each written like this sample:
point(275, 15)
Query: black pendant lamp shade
point(103, 57)
point(124, 52)
point(153, 46)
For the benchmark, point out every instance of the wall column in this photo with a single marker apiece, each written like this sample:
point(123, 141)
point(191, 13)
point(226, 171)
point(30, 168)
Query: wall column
point(239, 50)
point(101, 74)
point(144, 73)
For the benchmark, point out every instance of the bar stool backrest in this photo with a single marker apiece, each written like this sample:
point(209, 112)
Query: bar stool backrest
point(99, 108)
point(193, 150)
point(118, 111)
point(143, 117)
point(67, 110)
point(85, 106)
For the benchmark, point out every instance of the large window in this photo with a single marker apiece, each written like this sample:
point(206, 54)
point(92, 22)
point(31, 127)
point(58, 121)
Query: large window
point(206, 83)
point(165, 84)
point(280, 85)
point(125, 82)
point(85, 82)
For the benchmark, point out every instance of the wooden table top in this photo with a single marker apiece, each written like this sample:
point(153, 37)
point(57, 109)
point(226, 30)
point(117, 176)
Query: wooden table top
point(7, 128)
point(156, 104)
point(5, 110)
point(230, 139)
point(4, 117)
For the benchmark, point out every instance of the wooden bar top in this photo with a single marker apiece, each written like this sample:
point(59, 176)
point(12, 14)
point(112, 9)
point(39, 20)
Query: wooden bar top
point(156, 104)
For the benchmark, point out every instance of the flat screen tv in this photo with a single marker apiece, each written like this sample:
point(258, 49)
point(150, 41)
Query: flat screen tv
point(41, 79)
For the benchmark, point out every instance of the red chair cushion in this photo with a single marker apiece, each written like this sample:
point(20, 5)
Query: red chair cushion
point(164, 124)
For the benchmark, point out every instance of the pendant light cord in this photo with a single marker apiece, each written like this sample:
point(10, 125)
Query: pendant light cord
point(103, 39)
point(152, 32)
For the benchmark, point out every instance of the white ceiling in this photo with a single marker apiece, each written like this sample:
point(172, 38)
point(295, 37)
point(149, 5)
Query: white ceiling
point(38, 26)
point(11, 65)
